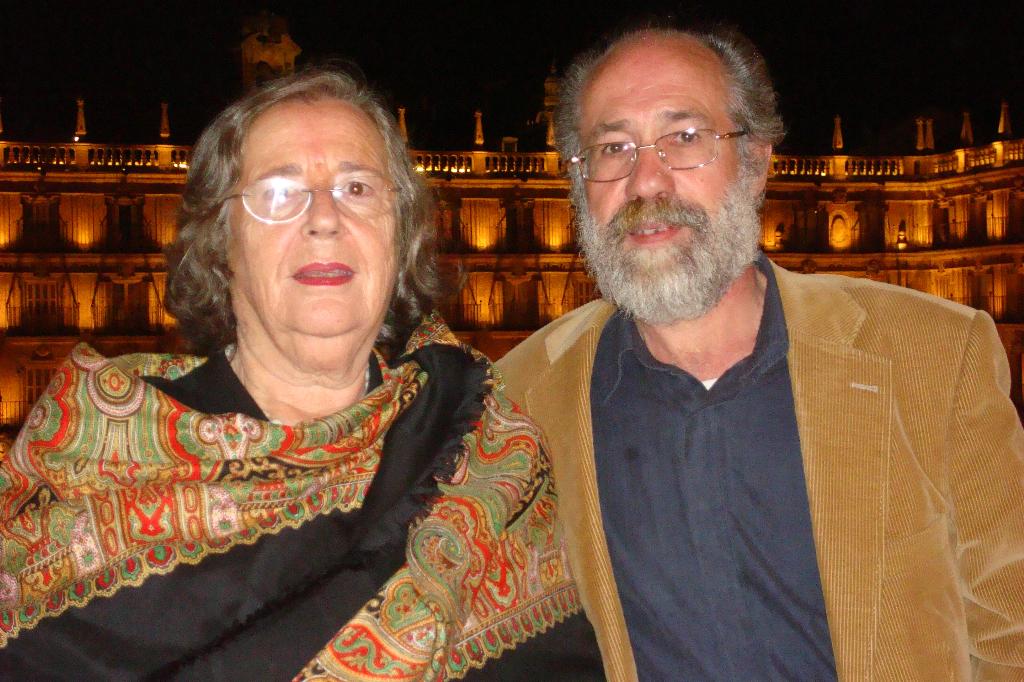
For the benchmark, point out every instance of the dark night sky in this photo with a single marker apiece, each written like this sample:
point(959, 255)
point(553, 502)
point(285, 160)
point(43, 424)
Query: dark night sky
point(878, 64)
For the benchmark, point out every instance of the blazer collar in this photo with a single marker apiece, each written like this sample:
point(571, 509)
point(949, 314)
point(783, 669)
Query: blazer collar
point(819, 307)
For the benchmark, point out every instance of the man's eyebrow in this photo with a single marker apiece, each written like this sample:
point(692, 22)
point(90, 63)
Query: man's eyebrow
point(671, 116)
point(684, 115)
point(289, 170)
point(607, 127)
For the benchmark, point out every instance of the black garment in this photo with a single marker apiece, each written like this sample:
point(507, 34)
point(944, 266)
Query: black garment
point(262, 611)
point(214, 388)
point(705, 509)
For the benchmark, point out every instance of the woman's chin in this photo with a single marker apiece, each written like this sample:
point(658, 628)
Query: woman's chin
point(329, 331)
point(326, 351)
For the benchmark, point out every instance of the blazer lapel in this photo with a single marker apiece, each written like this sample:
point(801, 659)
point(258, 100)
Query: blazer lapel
point(564, 389)
point(843, 398)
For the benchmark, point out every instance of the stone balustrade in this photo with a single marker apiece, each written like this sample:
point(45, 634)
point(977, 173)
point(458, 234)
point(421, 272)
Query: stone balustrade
point(946, 163)
point(486, 163)
point(980, 157)
point(839, 167)
point(87, 156)
point(82, 156)
point(1013, 150)
point(863, 166)
point(801, 166)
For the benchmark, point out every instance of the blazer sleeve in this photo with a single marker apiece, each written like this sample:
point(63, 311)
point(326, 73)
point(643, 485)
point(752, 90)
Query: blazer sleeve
point(987, 486)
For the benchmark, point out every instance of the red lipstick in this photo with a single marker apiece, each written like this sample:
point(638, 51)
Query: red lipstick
point(323, 274)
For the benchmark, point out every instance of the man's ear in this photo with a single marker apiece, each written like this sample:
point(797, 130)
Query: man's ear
point(760, 155)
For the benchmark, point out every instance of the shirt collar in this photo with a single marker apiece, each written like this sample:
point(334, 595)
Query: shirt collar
point(771, 345)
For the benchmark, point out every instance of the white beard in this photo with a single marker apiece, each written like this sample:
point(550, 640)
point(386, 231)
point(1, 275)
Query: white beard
point(684, 279)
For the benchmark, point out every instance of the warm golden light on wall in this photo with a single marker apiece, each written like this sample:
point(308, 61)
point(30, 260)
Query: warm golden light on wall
point(551, 221)
point(483, 221)
point(556, 239)
point(484, 240)
point(839, 234)
point(997, 214)
point(86, 318)
point(84, 239)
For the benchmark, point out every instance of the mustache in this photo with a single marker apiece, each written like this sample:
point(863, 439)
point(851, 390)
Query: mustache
point(669, 210)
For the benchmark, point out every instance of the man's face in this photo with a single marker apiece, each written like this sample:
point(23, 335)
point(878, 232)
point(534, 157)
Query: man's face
point(664, 244)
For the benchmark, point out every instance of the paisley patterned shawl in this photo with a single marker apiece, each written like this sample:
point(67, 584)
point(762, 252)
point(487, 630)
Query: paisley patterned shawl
point(112, 481)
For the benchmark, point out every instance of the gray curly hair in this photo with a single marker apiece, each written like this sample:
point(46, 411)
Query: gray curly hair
point(198, 286)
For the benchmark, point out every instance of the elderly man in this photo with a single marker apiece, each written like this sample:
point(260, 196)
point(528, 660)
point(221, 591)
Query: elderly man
point(764, 475)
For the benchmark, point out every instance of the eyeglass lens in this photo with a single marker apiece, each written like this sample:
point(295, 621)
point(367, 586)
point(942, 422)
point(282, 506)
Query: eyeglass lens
point(278, 200)
point(679, 150)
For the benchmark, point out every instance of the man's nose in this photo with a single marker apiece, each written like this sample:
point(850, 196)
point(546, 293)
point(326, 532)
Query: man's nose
point(651, 177)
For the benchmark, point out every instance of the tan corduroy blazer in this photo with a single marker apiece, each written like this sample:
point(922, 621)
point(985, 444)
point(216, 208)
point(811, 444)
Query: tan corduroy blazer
point(914, 460)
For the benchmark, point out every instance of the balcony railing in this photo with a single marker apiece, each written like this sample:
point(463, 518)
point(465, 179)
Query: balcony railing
point(83, 156)
point(801, 166)
point(1013, 150)
point(133, 237)
point(46, 236)
point(859, 166)
point(512, 315)
point(919, 165)
point(124, 321)
point(40, 321)
point(461, 315)
point(13, 412)
point(1002, 308)
point(486, 163)
point(520, 314)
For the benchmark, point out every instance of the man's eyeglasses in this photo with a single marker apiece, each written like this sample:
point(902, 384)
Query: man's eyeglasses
point(278, 200)
point(681, 150)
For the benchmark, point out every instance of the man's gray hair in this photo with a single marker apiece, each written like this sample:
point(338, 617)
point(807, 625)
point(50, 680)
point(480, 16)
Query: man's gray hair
point(198, 285)
point(752, 105)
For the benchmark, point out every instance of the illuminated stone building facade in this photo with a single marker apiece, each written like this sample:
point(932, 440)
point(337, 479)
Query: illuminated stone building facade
point(83, 225)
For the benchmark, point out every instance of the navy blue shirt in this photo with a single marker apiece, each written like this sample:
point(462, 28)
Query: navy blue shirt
point(706, 513)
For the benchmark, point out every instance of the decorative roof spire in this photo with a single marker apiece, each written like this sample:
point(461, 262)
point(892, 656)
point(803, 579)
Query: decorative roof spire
point(268, 50)
point(837, 133)
point(550, 104)
point(919, 145)
point(551, 89)
point(80, 118)
point(929, 133)
point(165, 123)
point(401, 124)
point(478, 135)
point(967, 130)
point(1004, 120)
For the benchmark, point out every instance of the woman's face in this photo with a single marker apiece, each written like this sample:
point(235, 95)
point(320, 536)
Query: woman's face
point(327, 274)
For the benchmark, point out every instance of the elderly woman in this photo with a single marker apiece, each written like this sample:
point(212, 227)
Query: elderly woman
point(338, 490)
